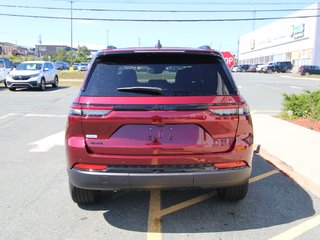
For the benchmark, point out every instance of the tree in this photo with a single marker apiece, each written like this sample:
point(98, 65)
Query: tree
point(61, 54)
point(70, 56)
point(83, 53)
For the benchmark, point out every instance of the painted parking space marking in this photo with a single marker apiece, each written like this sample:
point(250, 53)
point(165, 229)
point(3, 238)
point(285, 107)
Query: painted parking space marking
point(187, 203)
point(154, 218)
point(295, 87)
point(299, 229)
point(9, 115)
point(302, 78)
point(45, 115)
point(40, 115)
point(156, 213)
point(45, 144)
point(262, 176)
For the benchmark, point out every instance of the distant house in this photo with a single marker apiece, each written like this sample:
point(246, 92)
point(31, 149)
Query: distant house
point(7, 48)
point(41, 50)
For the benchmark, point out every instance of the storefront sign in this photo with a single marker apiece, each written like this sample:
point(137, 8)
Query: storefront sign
point(297, 31)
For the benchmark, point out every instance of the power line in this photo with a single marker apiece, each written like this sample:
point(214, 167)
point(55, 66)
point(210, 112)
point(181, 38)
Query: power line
point(159, 20)
point(189, 2)
point(158, 11)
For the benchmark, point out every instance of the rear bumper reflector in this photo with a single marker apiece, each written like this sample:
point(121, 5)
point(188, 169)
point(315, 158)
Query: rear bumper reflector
point(230, 165)
point(90, 167)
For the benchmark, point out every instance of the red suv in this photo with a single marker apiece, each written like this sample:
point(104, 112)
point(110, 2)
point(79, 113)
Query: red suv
point(158, 118)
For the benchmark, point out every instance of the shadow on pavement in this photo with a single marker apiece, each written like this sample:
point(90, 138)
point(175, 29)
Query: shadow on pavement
point(272, 201)
point(48, 89)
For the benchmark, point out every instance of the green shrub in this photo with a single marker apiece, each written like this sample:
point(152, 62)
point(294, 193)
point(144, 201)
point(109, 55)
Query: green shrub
point(304, 105)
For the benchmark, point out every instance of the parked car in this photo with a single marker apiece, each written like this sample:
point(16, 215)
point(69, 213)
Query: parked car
point(59, 65)
point(243, 67)
point(5, 67)
point(260, 68)
point(32, 74)
point(235, 68)
point(145, 129)
point(279, 67)
point(83, 66)
point(309, 69)
point(76, 66)
point(253, 68)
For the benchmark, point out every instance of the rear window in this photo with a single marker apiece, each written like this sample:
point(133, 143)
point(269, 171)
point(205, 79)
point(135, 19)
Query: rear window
point(173, 74)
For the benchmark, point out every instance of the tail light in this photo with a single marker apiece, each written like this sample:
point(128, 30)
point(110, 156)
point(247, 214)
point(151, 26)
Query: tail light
point(78, 112)
point(231, 111)
point(90, 167)
point(230, 165)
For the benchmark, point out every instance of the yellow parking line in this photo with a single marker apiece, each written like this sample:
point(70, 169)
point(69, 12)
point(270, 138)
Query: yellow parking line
point(155, 211)
point(154, 225)
point(264, 175)
point(186, 204)
point(299, 229)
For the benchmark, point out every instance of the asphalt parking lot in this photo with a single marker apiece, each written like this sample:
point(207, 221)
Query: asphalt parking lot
point(35, 201)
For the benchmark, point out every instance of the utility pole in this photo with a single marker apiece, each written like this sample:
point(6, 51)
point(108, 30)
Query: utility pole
point(39, 49)
point(71, 3)
point(238, 50)
point(254, 18)
point(107, 38)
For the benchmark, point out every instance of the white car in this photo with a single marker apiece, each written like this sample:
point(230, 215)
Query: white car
point(83, 66)
point(235, 68)
point(33, 74)
point(260, 67)
point(5, 68)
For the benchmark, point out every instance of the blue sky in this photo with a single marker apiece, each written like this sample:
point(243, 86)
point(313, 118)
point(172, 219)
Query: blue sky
point(220, 35)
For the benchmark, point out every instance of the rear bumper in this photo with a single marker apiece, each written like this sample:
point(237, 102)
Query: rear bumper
point(118, 181)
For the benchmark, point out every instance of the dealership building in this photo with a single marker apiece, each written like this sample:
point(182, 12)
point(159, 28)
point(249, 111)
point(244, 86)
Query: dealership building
point(296, 40)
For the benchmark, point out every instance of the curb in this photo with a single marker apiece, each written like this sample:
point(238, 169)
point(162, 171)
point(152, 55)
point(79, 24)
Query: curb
point(303, 181)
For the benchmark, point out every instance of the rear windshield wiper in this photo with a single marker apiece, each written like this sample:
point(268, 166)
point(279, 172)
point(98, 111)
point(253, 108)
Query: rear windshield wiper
point(146, 90)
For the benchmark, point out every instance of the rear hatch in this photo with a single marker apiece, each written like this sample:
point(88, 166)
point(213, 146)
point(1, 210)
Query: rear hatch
point(159, 104)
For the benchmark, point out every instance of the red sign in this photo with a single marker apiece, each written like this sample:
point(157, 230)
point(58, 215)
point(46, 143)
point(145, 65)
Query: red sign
point(229, 58)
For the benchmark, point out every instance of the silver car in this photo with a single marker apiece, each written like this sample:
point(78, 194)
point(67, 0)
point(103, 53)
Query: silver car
point(33, 74)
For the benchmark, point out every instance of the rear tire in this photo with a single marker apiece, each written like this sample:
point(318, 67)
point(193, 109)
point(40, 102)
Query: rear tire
point(83, 196)
point(55, 82)
point(233, 193)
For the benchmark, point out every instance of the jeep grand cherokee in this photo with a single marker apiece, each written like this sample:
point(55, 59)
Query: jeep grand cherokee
point(158, 118)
